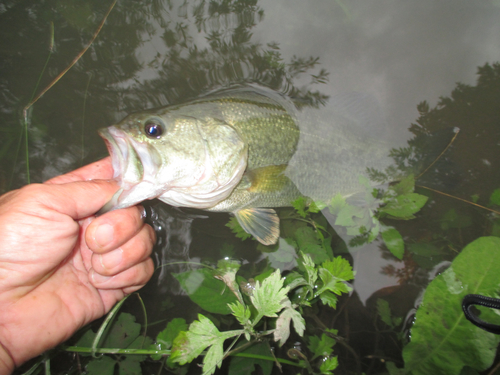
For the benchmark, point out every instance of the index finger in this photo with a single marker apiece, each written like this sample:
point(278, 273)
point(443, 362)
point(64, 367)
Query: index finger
point(100, 170)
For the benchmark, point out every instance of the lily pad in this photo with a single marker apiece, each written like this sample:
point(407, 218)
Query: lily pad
point(443, 341)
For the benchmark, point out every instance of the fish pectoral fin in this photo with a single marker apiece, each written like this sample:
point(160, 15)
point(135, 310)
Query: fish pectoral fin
point(262, 223)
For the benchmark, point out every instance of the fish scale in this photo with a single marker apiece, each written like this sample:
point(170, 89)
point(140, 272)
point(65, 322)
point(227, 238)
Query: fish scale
point(240, 150)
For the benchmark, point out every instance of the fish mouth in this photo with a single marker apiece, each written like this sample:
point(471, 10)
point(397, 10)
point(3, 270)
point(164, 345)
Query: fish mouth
point(132, 161)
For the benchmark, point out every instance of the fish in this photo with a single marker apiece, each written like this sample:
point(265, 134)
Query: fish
point(244, 150)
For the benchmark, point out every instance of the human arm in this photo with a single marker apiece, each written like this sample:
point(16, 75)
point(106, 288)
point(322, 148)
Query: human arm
point(57, 271)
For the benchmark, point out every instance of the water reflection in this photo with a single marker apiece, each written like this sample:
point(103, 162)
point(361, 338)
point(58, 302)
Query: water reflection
point(367, 69)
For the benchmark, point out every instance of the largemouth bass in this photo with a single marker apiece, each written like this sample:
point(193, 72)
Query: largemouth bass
point(240, 150)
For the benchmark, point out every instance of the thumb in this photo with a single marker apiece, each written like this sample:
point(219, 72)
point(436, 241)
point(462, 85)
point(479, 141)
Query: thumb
point(77, 199)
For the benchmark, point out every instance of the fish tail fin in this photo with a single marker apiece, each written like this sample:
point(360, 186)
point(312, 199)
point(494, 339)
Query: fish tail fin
point(262, 223)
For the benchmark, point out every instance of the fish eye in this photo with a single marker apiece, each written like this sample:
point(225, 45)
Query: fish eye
point(153, 128)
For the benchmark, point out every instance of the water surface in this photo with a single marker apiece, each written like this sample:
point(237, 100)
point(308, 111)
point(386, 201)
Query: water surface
point(377, 69)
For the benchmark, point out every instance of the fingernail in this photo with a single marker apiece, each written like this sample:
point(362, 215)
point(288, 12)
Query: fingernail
point(104, 234)
point(112, 259)
point(98, 278)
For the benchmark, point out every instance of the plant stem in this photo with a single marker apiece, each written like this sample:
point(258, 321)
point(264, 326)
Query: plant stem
point(75, 60)
point(105, 324)
point(83, 117)
point(79, 349)
point(55, 80)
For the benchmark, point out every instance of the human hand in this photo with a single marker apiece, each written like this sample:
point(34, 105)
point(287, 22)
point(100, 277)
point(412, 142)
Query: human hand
point(60, 266)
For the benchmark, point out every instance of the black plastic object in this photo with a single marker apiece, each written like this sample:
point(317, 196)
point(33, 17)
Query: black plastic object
point(476, 299)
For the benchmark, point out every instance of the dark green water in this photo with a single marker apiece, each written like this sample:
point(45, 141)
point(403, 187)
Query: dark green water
point(371, 64)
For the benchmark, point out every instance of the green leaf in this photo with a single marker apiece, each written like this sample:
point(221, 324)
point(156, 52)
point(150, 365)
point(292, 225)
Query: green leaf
point(237, 229)
point(131, 365)
point(247, 365)
point(328, 365)
point(165, 338)
point(308, 243)
point(226, 272)
point(426, 254)
point(269, 296)
point(331, 283)
point(316, 207)
point(442, 339)
point(122, 333)
point(394, 242)
point(282, 331)
point(404, 206)
point(393, 370)
point(202, 333)
point(495, 197)
point(329, 299)
point(348, 214)
point(213, 358)
point(310, 267)
point(451, 219)
point(337, 204)
point(86, 340)
point(340, 268)
point(242, 313)
point(101, 366)
point(321, 346)
point(141, 342)
point(405, 186)
point(384, 311)
point(300, 206)
point(294, 280)
point(283, 257)
point(206, 291)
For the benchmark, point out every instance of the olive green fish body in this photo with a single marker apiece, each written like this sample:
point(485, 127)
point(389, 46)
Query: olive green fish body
point(240, 150)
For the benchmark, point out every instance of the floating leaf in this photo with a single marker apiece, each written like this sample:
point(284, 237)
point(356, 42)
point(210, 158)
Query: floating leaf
point(426, 254)
point(404, 206)
point(443, 341)
point(206, 291)
point(451, 219)
point(394, 242)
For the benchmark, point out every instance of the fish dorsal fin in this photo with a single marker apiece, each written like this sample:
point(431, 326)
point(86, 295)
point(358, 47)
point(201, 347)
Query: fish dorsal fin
point(262, 223)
